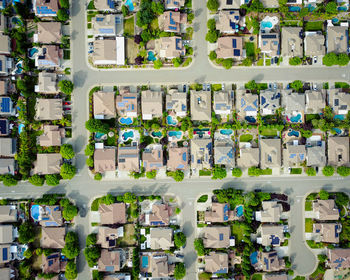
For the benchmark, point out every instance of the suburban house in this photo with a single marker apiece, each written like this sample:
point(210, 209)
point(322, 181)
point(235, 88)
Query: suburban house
point(6, 234)
point(219, 213)
point(105, 160)
point(339, 101)
point(314, 43)
point(45, 8)
point(160, 215)
point(109, 25)
point(294, 106)
point(176, 102)
point(247, 106)
point(269, 262)
point(315, 101)
point(107, 237)
point(337, 39)
point(216, 237)
point(152, 157)
point(292, 42)
point(52, 136)
point(7, 166)
point(105, 5)
point(112, 214)
point(216, 263)
point(5, 44)
point(230, 47)
point(229, 22)
point(53, 263)
point(161, 238)
point(269, 43)
point(3, 19)
point(8, 147)
point(49, 57)
point(294, 155)
point(270, 153)
point(325, 210)
point(52, 237)
point(109, 261)
point(270, 102)
point(49, 32)
point(170, 47)
point(316, 155)
point(338, 258)
point(129, 158)
point(127, 105)
point(271, 212)
point(200, 106)
point(48, 109)
point(49, 216)
point(178, 158)
point(6, 106)
point(109, 51)
point(224, 153)
point(201, 153)
point(327, 232)
point(173, 4)
point(156, 263)
point(223, 103)
point(271, 235)
point(171, 21)
point(248, 156)
point(6, 64)
point(8, 213)
point(47, 83)
point(338, 151)
point(151, 104)
point(47, 164)
point(231, 4)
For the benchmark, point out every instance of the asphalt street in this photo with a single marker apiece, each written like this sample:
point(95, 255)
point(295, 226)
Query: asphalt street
point(82, 189)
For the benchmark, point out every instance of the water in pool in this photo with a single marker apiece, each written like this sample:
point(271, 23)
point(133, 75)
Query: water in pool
point(293, 133)
point(254, 257)
point(151, 56)
point(126, 121)
point(35, 211)
point(130, 5)
point(128, 134)
point(296, 119)
point(32, 52)
point(171, 120)
point(98, 135)
point(266, 24)
point(177, 134)
point(226, 131)
point(239, 211)
point(339, 117)
point(157, 134)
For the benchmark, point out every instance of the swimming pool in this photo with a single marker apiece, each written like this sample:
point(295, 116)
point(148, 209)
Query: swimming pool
point(339, 117)
point(171, 120)
point(296, 119)
point(157, 134)
point(337, 130)
point(99, 135)
point(177, 134)
point(32, 52)
point(144, 261)
point(128, 134)
point(18, 68)
point(20, 128)
point(226, 131)
point(250, 119)
point(342, 9)
point(268, 23)
point(130, 5)
point(335, 20)
point(35, 212)
point(293, 133)
point(294, 9)
point(254, 257)
point(310, 7)
point(265, 24)
point(151, 56)
point(126, 121)
point(239, 211)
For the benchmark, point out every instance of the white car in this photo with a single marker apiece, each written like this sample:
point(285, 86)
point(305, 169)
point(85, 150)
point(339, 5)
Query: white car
point(314, 86)
point(315, 59)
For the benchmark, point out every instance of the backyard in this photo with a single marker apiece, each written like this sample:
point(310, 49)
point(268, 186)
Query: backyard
point(246, 138)
point(313, 25)
point(269, 132)
point(131, 50)
point(237, 232)
point(129, 233)
point(129, 26)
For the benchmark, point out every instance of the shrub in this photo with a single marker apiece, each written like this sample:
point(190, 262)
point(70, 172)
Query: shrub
point(94, 125)
point(71, 270)
point(213, 5)
point(297, 85)
point(324, 195)
point(26, 233)
point(211, 24)
point(37, 180)
point(180, 271)
point(92, 254)
point(203, 198)
point(295, 60)
point(52, 179)
point(69, 212)
point(343, 171)
point(91, 239)
point(151, 174)
point(177, 175)
point(9, 180)
point(71, 248)
point(237, 172)
point(177, 210)
point(157, 64)
point(310, 171)
point(90, 162)
point(179, 239)
point(62, 15)
point(199, 247)
point(328, 171)
point(98, 177)
point(219, 173)
point(212, 55)
point(89, 150)
point(212, 36)
point(67, 171)
point(67, 151)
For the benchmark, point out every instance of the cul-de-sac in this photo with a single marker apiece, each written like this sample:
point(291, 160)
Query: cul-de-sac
point(174, 139)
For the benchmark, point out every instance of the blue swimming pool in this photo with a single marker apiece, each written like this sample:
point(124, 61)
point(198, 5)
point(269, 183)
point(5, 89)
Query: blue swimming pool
point(296, 119)
point(157, 134)
point(293, 133)
point(171, 120)
point(18, 68)
point(339, 117)
point(128, 134)
point(144, 261)
point(130, 5)
point(226, 131)
point(254, 258)
point(99, 135)
point(32, 52)
point(239, 211)
point(342, 9)
point(335, 20)
point(20, 128)
point(177, 134)
point(265, 24)
point(250, 119)
point(126, 121)
point(310, 7)
point(151, 56)
point(294, 9)
point(337, 130)
point(35, 212)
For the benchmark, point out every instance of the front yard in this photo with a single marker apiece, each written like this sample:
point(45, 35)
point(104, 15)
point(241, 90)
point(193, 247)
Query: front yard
point(309, 225)
point(129, 26)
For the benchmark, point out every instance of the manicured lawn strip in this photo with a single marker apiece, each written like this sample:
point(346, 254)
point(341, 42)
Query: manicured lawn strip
point(309, 224)
point(308, 205)
point(238, 232)
point(129, 26)
point(250, 50)
point(246, 138)
point(341, 85)
point(269, 132)
point(313, 25)
point(257, 276)
point(203, 198)
point(296, 171)
point(204, 172)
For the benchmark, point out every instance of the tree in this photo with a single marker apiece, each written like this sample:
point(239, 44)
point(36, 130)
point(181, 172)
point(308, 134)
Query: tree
point(64, 4)
point(67, 151)
point(157, 7)
point(180, 271)
point(66, 86)
point(341, 199)
point(89, 150)
point(146, 35)
point(251, 85)
point(90, 162)
point(151, 174)
point(71, 270)
point(9, 180)
point(199, 247)
point(324, 195)
point(328, 171)
point(250, 199)
point(213, 5)
point(330, 59)
point(219, 173)
point(297, 85)
point(28, 253)
point(26, 233)
point(67, 171)
point(212, 55)
point(129, 197)
point(295, 60)
point(179, 239)
point(343, 59)
point(236, 172)
point(37, 180)
point(69, 212)
point(145, 15)
point(94, 125)
point(62, 15)
point(177, 61)
point(92, 254)
point(227, 63)
point(71, 248)
point(331, 8)
point(98, 177)
point(108, 199)
point(125, 11)
point(157, 64)
point(177, 175)
point(211, 24)
point(212, 36)
point(310, 171)
point(247, 62)
point(343, 171)
point(91, 239)
point(303, 12)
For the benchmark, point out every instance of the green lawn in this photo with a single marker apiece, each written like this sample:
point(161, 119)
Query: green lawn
point(308, 205)
point(129, 26)
point(296, 171)
point(267, 62)
point(269, 132)
point(310, 117)
point(341, 85)
point(260, 62)
point(216, 87)
point(309, 225)
point(250, 50)
point(313, 25)
point(246, 138)
point(257, 276)
point(204, 172)
point(203, 198)
point(238, 232)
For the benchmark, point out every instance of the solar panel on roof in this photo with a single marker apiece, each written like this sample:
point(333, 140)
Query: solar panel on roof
point(3, 126)
point(268, 36)
point(5, 105)
point(172, 27)
point(171, 18)
point(237, 52)
point(234, 43)
point(99, 19)
point(0, 65)
point(4, 254)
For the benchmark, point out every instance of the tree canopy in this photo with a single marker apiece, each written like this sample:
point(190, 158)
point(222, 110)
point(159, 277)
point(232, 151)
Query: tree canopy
point(219, 173)
point(179, 239)
point(26, 232)
point(180, 271)
point(328, 171)
point(67, 151)
point(213, 5)
point(37, 180)
point(71, 248)
point(95, 125)
point(66, 86)
point(71, 270)
point(237, 172)
point(62, 15)
point(67, 171)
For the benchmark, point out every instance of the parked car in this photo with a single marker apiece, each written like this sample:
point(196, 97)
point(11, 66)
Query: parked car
point(315, 86)
point(208, 87)
point(315, 59)
point(67, 103)
point(185, 88)
point(204, 86)
point(276, 59)
point(179, 256)
point(274, 86)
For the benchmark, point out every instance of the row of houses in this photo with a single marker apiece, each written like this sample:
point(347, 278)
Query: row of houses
point(116, 5)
